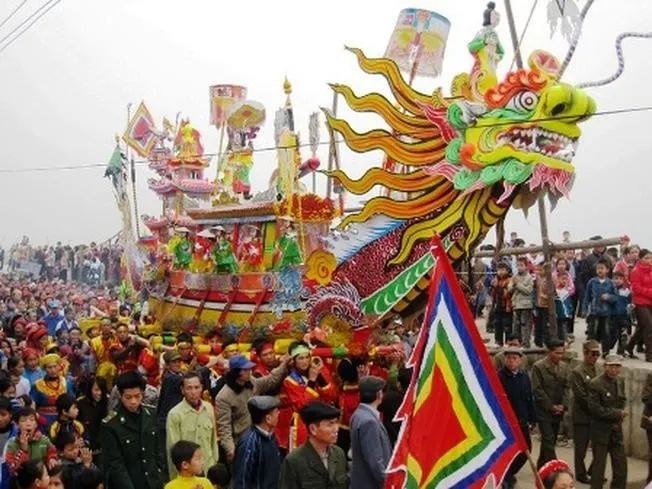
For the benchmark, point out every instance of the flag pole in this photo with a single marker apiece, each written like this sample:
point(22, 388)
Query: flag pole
point(537, 479)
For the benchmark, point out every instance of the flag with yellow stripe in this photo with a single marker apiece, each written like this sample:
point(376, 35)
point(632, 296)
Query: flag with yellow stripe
point(458, 429)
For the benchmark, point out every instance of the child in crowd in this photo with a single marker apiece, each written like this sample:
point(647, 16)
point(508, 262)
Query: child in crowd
point(29, 443)
point(73, 459)
point(219, 476)
point(187, 458)
point(7, 430)
point(520, 288)
point(598, 303)
point(57, 480)
point(541, 301)
point(563, 302)
point(622, 306)
point(501, 303)
point(16, 368)
point(66, 422)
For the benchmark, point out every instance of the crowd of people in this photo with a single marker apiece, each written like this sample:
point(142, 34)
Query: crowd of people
point(92, 264)
point(608, 287)
point(88, 400)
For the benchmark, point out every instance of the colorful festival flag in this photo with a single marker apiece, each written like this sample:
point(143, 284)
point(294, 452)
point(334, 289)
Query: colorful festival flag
point(458, 428)
point(140, 132)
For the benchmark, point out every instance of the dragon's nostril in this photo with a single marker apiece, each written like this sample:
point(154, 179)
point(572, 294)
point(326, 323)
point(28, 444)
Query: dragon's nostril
point(558, 109)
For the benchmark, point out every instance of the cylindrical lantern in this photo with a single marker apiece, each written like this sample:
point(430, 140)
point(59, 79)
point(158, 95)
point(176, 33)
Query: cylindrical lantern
point(222, 99)
point(418, 42)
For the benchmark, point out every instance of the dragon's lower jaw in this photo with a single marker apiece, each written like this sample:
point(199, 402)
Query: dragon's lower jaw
point(553, 182)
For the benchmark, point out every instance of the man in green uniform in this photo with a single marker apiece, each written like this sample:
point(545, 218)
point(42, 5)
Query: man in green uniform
point(318, 463)
point(132, 459)
point(551, 387)
point(581, 376)
point(607, 407)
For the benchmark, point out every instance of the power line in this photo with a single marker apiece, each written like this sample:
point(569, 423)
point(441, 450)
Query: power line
point(13, 12)
point(50, 4)
point(324, 143)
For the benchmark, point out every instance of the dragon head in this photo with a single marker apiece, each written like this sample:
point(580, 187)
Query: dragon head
point(523, 130)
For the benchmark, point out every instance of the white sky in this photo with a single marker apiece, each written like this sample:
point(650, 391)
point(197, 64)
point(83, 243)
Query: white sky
point(65, 85)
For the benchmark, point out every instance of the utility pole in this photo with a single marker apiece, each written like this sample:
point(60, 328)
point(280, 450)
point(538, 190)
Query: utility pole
point(541, 203)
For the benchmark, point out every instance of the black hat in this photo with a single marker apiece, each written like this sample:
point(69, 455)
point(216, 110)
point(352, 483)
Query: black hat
point(316, 411)
point(262, 404)
point(371, 385)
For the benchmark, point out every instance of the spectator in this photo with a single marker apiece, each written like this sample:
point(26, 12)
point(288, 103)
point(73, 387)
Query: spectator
point(370, 444)
point(93, 408)
point(501, 303)
point(233, 417)
point(619, 324)
point(541, 301)
point(307, 465)
point(28, 443)
point(219, 476)
point(67, 412)
point(550, 384)
point(73, 458)
point(518, 388)
point(32, 474)
point(188, 461)
point(131, 461)
point(641, 281)
point(521, 288)
point(192, 420)
point(598, 302)
point(258, 457)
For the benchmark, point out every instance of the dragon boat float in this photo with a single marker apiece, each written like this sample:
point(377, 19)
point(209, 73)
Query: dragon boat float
point(286, 263)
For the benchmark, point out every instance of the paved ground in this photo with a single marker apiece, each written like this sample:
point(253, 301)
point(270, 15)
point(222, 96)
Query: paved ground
point(636, 469)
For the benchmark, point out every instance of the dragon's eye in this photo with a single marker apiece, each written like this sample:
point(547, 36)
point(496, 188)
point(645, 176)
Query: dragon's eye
point(523, 101)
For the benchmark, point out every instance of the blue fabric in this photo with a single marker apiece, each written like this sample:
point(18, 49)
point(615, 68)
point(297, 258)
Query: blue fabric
point(257, 462)
point(622, 302)
point(52, 321)
point(593, 302)
point(4, 469)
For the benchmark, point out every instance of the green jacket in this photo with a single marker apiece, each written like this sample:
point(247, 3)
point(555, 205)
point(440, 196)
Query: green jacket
point(580, 378)
point(187, 423)
point(550, 385)
point(607, 401)
point(130, 447)
point(303, 469)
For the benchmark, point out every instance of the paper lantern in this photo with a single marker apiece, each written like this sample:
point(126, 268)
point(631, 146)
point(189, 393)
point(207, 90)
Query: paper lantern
point(222, 98)
point(418, 42)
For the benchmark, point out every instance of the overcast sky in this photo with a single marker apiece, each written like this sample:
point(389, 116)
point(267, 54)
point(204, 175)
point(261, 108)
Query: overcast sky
point(65, 85)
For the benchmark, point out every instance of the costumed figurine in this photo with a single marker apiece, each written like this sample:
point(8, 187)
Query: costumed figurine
point(288, 251)
point(204, 243)
point(240, 160)
point(487, 50)
point(181, 247)
point(250, 252)
point(188, 141)
point(222, 252)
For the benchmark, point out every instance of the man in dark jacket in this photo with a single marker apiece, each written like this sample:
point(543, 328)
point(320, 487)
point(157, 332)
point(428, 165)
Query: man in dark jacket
point(132, 458)
point(519, 392)
point(169, 397)
point(370, 445)
point(257, 456)
point(580, 378)
point(318, 463)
